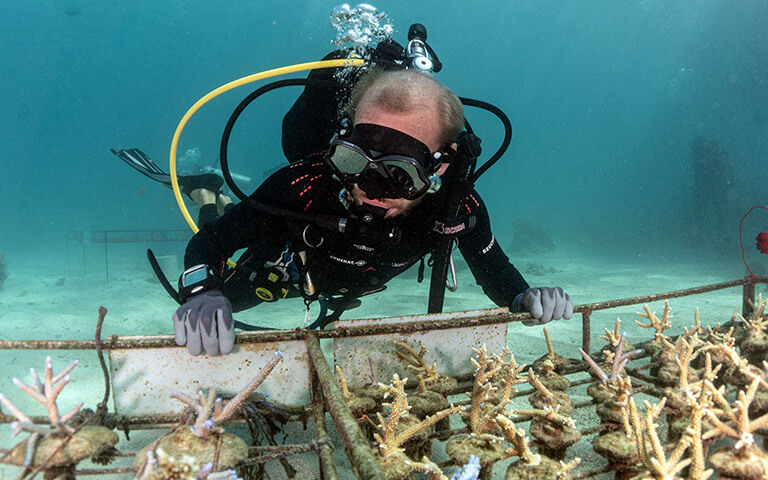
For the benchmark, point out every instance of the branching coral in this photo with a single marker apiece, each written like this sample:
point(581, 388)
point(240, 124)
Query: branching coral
point(432, 379)
point(756, 324)
point(516, 436)
point(206, 441)
point(545, 397)
point(416, 360)
point(559, 363)
point(58, 448)
point(619, 360)
point(209, 413)
point(613, 337)
point(390, 441)
point(653, 321)
point(45, 392)
point(495, 382)
point(734, 422)
point(745, 459)
point(359, 404)
point(483, 416)
point(755, 346)
point(554, 431)
point(505, 379)
point(531, 465)
point(653, 454)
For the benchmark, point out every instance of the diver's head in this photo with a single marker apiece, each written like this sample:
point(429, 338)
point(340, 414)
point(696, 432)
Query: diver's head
point(410, 92)
point(401, 139)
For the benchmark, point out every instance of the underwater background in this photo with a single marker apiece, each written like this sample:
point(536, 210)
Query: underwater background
point(640, 140)
point(605, 100)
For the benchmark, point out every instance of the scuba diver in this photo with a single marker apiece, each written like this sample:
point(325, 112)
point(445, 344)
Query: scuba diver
point(387, 168)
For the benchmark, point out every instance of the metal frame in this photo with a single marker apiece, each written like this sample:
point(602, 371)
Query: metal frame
point(327, 396)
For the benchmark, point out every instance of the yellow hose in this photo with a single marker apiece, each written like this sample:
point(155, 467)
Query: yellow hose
point(301, 67)
point(343, 62)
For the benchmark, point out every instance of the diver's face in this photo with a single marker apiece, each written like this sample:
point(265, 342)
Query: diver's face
point(421, 124)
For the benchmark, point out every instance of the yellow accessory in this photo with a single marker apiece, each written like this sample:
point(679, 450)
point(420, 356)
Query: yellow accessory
point(301, 67)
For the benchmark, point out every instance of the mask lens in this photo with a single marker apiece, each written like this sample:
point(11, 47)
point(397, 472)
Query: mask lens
point(405, 174)
point(348, 161)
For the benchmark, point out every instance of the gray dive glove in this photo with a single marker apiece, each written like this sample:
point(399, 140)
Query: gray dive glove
point(544, 304)
point(205, 321)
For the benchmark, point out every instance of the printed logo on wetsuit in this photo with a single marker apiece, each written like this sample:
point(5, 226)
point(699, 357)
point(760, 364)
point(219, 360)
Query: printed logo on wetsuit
point(363, 247)
point(490, 245)
point(441, 228)
point(358, 263)
point(399, 264)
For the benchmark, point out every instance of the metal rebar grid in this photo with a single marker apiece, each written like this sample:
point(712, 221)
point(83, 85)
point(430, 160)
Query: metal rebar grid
point(355, 443)
point(328, 395)
point(325, 455)
point(446, 321)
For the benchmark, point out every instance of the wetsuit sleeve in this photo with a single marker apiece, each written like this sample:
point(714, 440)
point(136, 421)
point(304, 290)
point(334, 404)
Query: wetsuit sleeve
point(237, 229)
point(302, 187)
point(491, 267)
point(243, 225)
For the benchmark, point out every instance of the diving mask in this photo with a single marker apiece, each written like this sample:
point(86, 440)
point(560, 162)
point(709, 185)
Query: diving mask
point(384, 162)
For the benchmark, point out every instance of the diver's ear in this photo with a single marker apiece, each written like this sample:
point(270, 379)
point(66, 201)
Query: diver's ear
point(446, 154)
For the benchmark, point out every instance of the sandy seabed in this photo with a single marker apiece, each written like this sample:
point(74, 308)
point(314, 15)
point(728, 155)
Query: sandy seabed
point(64, 306)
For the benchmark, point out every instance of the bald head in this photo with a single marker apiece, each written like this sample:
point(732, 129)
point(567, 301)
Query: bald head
point(408, 91)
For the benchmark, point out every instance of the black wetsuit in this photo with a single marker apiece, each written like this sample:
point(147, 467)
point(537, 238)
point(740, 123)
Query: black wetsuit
point(344, 264)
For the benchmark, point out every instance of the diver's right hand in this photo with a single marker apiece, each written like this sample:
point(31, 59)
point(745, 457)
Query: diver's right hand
point(205, 322)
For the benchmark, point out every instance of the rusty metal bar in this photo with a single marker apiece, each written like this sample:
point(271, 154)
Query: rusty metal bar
point(325, 453)
point(355, 444)
point(748, 299)
point(586, 330)
point(447, 321)
point(105, 471)
point(667, 295)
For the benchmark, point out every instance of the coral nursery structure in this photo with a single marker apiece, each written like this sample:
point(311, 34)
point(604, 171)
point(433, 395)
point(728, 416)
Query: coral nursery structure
point(691, 405)
point(57, 448)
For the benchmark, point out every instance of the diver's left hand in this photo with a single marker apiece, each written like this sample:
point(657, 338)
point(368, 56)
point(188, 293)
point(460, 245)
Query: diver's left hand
point(544, 304)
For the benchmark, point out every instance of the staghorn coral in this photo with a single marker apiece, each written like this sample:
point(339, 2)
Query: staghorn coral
point(745, 459)
point(617, 360)
point(544, 397)
point(504, 380)
point(359, 404)
point(559, 363)
point(55, 449)
point(670, 364)
point(482, 417)
point(658, 464)
point(755, 346)
point(489, 399)
point(531, 466)
point(548, 377)
point(206, 441)
point(608, 388)
point(390, 450)
point(658, 325)
point(554, 431)
point(613, 337)
point(432, 379)
point(425, 402)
